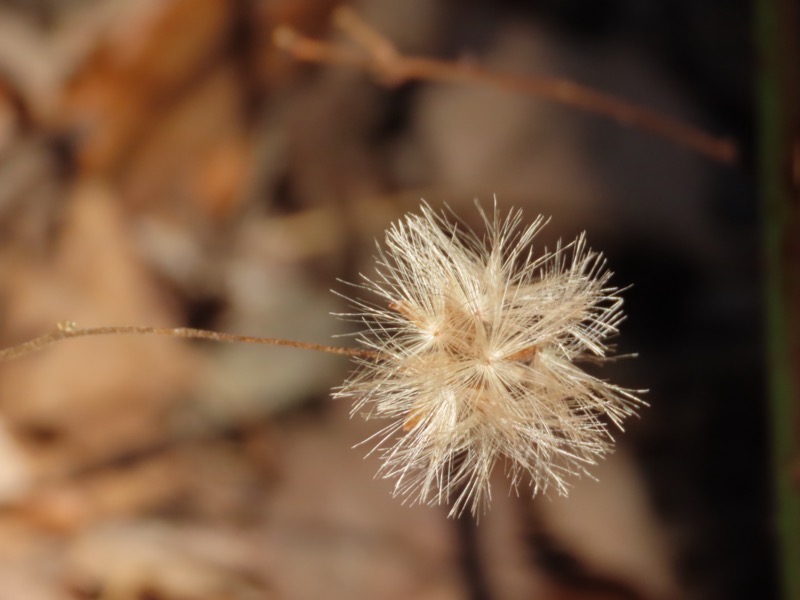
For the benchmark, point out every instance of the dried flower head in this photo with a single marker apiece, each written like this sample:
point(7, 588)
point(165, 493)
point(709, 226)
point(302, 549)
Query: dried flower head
point(476, 340)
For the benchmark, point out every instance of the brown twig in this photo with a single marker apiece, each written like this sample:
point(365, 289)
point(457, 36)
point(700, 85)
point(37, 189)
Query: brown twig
point(69, 330)
point(378, 56)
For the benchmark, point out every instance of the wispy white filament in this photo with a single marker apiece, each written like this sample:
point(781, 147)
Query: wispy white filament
point(477, 339)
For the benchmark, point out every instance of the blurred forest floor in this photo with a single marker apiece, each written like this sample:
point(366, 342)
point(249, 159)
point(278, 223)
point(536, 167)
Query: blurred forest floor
point(162, 163)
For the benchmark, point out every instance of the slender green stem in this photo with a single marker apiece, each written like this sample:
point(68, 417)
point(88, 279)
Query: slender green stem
point(778, 113)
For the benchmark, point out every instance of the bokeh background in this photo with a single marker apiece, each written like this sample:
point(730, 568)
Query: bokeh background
point(162, 163)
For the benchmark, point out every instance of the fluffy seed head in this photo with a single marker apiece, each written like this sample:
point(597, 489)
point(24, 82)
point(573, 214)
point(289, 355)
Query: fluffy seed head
point(477, 340)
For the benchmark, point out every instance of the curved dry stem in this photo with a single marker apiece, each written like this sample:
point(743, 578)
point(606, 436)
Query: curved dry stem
point(377, 55)
point(68, 330)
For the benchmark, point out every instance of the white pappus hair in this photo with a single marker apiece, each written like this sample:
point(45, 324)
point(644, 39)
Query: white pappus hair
point(476, 340)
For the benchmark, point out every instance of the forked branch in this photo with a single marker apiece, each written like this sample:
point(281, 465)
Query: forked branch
point(378, 55)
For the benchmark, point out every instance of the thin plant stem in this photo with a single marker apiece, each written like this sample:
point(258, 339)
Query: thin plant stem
point(779, 151)
point(377, 55)
point(68, 330)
